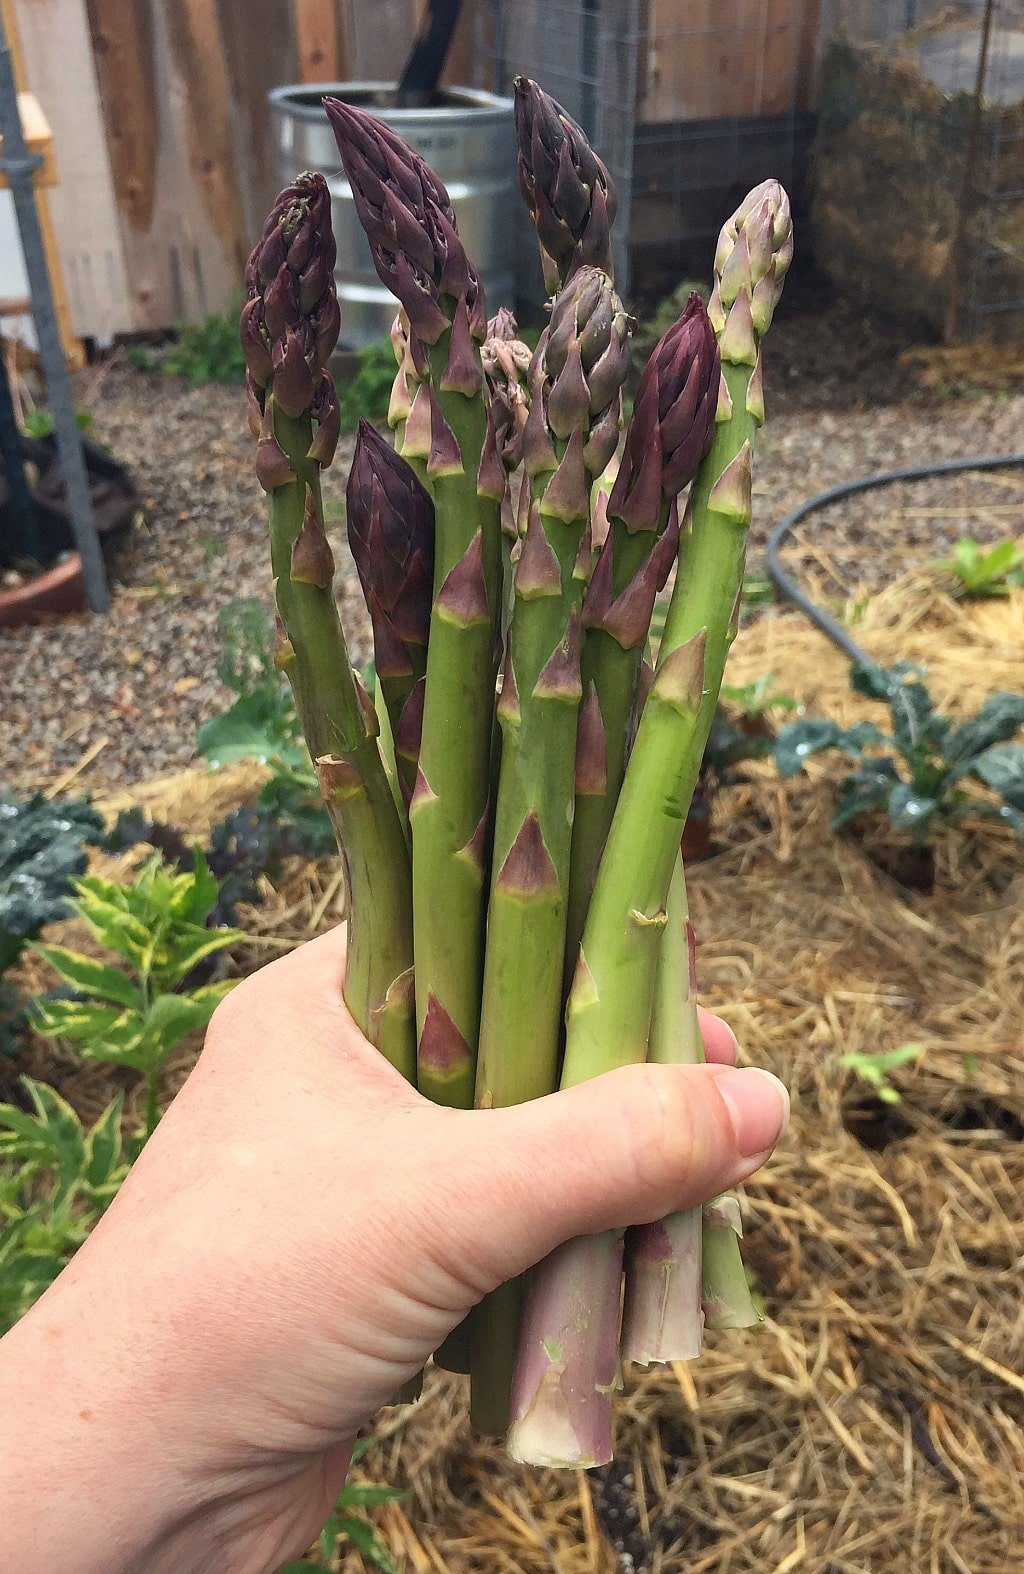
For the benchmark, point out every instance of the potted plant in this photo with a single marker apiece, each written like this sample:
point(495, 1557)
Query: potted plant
point(41, 571)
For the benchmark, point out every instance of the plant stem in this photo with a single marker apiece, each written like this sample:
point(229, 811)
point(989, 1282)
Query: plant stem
point(341, 737)
point(614, 671)
point(662, 1319)
point(449, 808)
point(608, 1016)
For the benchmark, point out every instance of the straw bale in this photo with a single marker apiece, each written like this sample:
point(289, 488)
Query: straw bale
point(888, 175)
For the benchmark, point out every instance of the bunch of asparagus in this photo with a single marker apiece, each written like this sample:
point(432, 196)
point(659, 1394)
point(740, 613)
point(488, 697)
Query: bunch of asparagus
point(509, 806)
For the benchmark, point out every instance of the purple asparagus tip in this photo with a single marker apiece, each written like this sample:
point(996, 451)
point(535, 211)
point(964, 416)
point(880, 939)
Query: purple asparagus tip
point(673, 419)
point(407, 215)
point(290, 320)
point(391, 534)
point(566, 187)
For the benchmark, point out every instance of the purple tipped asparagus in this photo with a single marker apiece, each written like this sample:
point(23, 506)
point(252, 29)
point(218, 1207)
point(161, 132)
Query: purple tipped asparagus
point(566, 187)
point(407, 215)
point(673, 420)
point(391, 533)
point(289, 325)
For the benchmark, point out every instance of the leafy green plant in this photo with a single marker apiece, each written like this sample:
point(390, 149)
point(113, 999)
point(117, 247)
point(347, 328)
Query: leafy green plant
point(206, 352)
point(755, 699)
point(875, 1068)
point(368, 392)
point(919, 774)
point(978, 572)
point(56, 1179)
point(39, 422)
point(42, 850)
point(135, 1015)
point(262, 724)
point(345, 1525)
point(249, 842)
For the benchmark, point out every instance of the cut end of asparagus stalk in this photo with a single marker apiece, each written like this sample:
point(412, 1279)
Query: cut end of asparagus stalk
point(726, 1294)
point(567, 1367)
point(662, 1317)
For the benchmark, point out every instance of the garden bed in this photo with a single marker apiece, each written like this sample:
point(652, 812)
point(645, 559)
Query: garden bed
point(876, 1422)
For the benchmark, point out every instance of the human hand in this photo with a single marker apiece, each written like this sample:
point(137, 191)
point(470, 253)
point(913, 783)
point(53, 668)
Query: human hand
point(297, 1238)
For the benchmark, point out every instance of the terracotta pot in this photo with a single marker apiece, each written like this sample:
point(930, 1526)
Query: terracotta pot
point(54, 593)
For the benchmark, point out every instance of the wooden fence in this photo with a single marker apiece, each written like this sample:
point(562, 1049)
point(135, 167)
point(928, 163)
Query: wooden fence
point(163, 140)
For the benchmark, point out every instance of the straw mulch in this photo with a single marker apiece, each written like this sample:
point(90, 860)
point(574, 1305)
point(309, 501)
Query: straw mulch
point(877, 1423)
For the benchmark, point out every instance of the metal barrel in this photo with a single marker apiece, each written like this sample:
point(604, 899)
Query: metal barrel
point(468, 139)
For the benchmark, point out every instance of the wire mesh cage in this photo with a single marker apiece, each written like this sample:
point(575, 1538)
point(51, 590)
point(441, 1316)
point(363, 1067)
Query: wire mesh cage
point(919, 165)
point(690, 103)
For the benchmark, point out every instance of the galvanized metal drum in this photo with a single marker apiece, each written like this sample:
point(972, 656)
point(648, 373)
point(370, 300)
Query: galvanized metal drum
point(468, 138)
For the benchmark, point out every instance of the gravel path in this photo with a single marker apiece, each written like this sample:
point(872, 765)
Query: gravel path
point(125, 694)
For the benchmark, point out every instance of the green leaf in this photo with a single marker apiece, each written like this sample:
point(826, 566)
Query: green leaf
point(255, 727)
point(77, 1020)
point(188, 947)
point(1001, 716)
point(1002, 769)
point(864, 792)
point(171, 1017)
point(103, 1146)
point(367, 1494)
point(966, 558)
point(909, 809)
point(90, 977)
point(800, 739)
point(363, 1536)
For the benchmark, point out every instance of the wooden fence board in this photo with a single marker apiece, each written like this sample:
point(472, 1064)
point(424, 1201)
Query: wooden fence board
point(318, 41)
point(54, 36)
point(195, 38)
point(706, 59)
point(258, 58)
point(122, 47)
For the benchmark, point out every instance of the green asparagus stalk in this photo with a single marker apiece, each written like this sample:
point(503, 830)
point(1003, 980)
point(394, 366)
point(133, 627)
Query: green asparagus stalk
point(572, 429)
point(661, 1308)
point(289, 328)
point(609, 1010)
point(407, 216)
point(668, 435)
point(391, 533)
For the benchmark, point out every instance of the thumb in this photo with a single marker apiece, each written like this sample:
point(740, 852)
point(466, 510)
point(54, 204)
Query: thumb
point(625, 1148)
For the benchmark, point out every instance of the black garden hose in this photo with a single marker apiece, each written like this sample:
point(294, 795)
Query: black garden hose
point(787, 585)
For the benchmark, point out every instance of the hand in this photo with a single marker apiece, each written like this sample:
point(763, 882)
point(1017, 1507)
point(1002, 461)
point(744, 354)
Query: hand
point(297, 1238)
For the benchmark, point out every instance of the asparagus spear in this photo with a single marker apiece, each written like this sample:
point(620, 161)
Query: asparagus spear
point(391, 533)
point(289, 327)
point(561, 1411)
point(670, 432)
point(506, 362)
point(409, 223)
point(566, 187)
point(571, 431)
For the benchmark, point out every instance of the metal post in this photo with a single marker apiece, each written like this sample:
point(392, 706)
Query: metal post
point(18, 165)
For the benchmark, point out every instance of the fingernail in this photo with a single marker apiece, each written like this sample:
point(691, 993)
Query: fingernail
point(758, 1105)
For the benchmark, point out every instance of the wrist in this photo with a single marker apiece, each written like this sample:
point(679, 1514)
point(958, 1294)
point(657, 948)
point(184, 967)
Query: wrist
point(78, 1487)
